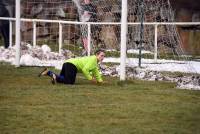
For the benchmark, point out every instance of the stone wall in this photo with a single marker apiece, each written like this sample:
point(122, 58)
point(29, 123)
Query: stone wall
point(189, 34)
point(188, 11)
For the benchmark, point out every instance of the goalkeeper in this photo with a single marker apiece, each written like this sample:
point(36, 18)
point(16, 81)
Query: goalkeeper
point(87, 65)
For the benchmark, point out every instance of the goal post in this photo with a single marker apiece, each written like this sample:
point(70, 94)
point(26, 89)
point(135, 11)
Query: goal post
point(123, 40)
point(17, 33)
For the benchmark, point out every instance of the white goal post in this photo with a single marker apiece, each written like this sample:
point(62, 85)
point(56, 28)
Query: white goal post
point(17, 33)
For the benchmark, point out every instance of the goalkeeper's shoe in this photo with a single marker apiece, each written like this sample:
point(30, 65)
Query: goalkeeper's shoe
point(53, 78)
point(43, 72)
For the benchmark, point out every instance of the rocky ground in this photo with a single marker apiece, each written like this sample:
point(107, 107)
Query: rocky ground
point(187, 81)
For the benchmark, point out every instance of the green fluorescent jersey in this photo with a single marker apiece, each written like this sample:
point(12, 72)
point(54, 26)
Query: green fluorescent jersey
point(88, 66)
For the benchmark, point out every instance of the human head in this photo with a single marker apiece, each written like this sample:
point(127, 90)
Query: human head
point(100, 54)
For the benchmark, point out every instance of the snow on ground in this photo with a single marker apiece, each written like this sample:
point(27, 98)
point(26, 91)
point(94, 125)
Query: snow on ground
point(42, 56)
point(35, 56)
point(149, 66)
point(134, 51)
point(161, 65)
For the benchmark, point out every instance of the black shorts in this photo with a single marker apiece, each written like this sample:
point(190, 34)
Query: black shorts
point(69, 72)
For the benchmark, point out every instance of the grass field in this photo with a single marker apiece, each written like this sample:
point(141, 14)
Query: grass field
point(31, 105)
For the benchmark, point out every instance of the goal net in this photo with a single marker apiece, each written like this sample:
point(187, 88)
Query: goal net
point(82, 26)
point(74, 36)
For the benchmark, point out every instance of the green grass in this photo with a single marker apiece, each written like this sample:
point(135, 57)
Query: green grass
point(31, 105)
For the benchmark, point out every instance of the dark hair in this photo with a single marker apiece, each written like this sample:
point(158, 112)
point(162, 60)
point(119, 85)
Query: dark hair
point(97, 52)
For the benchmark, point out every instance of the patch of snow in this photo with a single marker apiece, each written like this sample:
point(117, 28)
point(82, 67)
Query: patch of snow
point(136, 51)
point(161, 65)
point(29, 60)
point(189, 86)
point(46, 48)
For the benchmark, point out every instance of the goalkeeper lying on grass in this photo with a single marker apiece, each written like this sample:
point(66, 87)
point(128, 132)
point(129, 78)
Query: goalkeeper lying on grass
point(87, 65)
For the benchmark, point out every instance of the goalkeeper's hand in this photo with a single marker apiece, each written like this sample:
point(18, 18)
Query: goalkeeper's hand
point(93, 81)
point(102, 82)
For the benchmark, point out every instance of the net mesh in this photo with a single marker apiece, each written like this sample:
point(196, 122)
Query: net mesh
point(106, 36)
